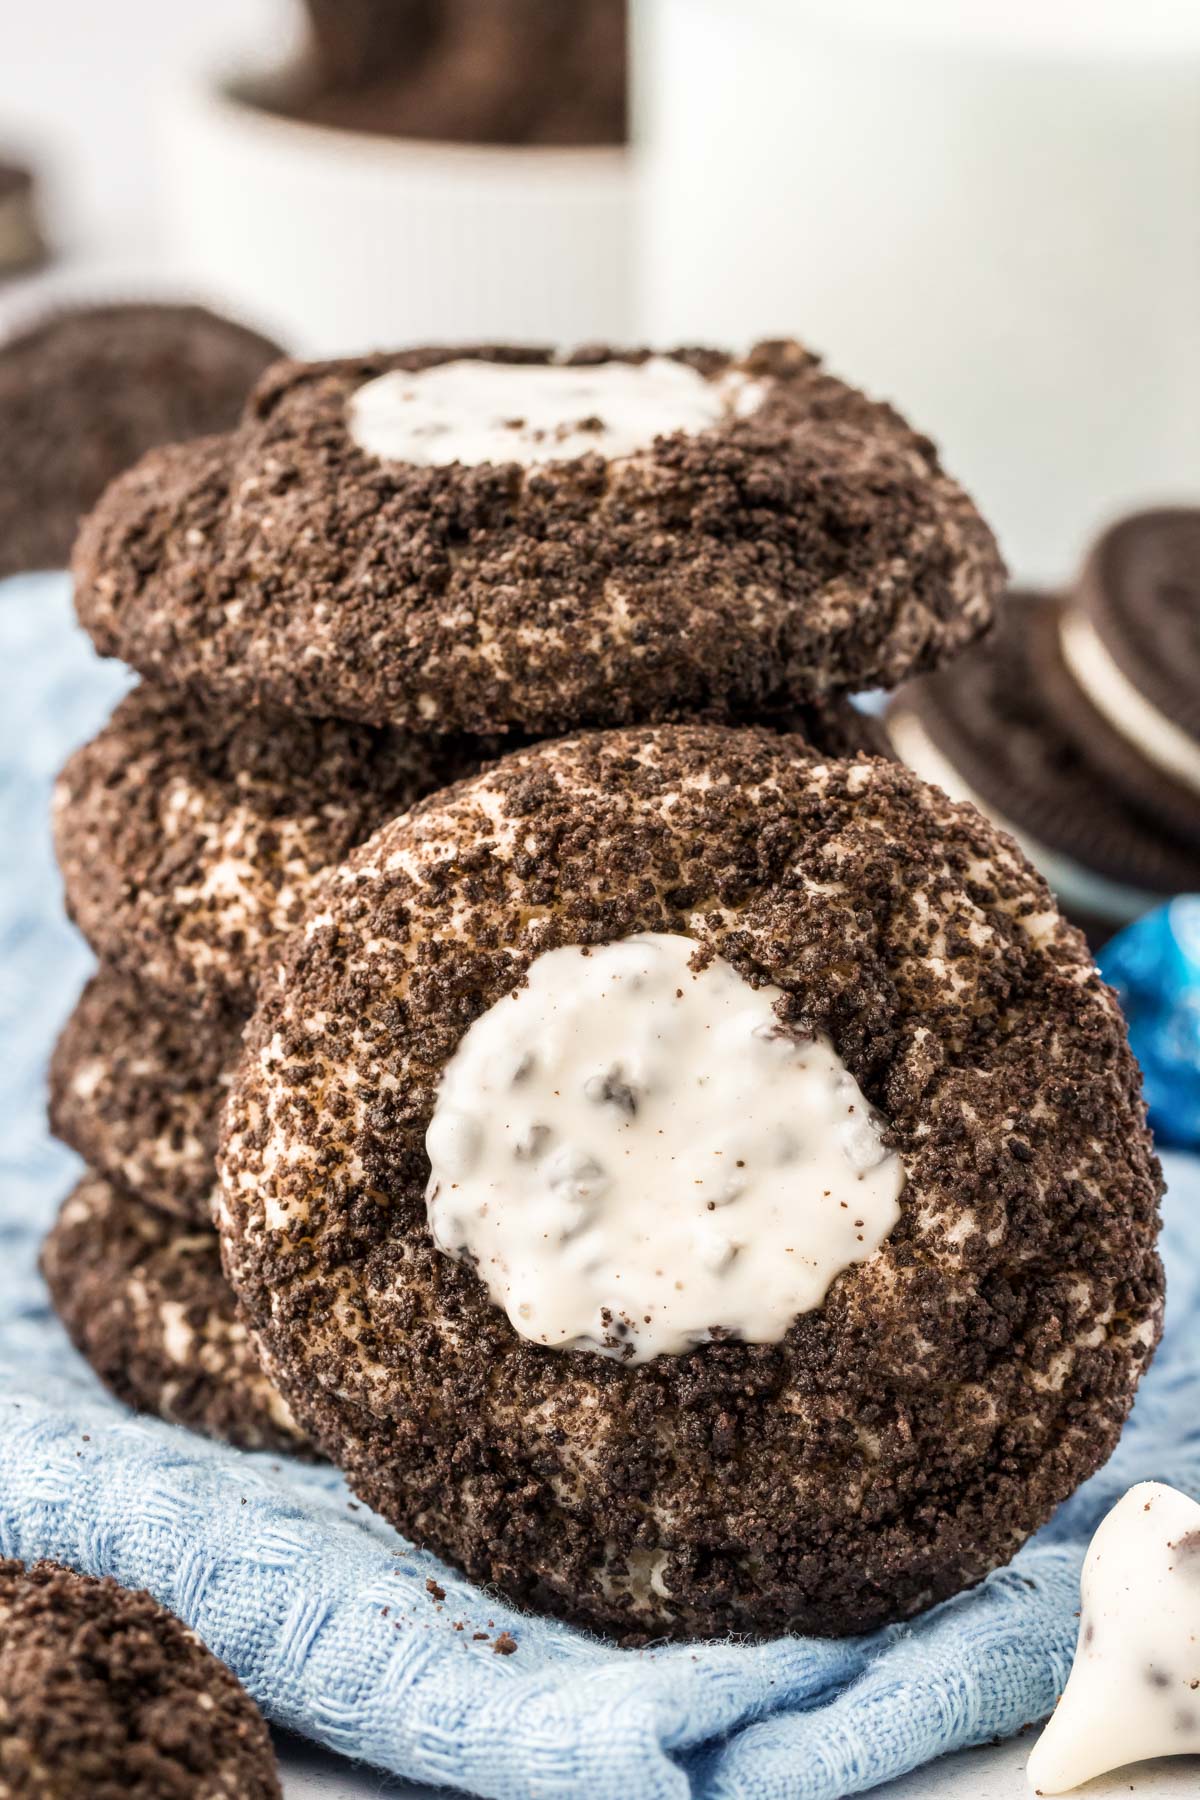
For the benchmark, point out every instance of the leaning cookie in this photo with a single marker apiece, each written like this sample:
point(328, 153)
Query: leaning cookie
point(473, 540)
point(86, 392)
point(189, 839)
point(143, 1299)
point(898, 1281)
point(104, 1693)
point(137, 1091)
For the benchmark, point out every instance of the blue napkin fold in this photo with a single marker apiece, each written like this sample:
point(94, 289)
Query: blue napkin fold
point(325, 1612)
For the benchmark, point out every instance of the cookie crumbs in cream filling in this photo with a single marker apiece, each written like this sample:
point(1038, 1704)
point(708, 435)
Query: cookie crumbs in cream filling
point(636, 1155)
point(474, 412)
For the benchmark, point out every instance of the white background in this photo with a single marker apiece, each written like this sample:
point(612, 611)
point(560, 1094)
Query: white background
point(79, 83)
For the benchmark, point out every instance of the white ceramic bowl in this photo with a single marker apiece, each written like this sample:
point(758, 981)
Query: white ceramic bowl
point(342, 241)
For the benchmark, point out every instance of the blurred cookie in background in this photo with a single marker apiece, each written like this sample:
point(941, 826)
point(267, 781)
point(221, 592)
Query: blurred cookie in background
point(84, 392)
point(143, 1299)
point(21, 243)
point(470, 71)
point(103, 1692)
point(991, 729)
point(1125, 679)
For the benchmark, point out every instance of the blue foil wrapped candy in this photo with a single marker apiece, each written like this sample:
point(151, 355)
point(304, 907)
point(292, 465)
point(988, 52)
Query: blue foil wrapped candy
point(1155, 967)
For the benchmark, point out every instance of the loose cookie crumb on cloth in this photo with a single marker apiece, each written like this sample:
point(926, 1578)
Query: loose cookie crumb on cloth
point(137, 1091)
point(105, 1694)
point(901, 1439)
point(759, 534)
point(143, 1299)
point(88, 390)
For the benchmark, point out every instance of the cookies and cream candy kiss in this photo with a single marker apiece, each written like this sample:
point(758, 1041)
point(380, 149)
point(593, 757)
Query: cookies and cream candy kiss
point(636, 1154)
point(1134, 1688)
point(475, 412)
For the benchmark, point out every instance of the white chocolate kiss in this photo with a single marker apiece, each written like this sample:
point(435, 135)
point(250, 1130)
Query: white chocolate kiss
point(474, 412)
point(1134, 1689)
point(635, 1155)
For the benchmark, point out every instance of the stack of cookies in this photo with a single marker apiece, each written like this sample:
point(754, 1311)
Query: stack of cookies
point(1076, 726)
point(678, 1165)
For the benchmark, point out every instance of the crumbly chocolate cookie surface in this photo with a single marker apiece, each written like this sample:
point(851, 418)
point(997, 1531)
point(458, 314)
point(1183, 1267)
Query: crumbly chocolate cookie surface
point(143, 1299)
point(1125, 672)
point(137, 1091)
point(88, 391)
point(904, 1437)
point(189, 838)
point(805, 545)
point(105, 1693)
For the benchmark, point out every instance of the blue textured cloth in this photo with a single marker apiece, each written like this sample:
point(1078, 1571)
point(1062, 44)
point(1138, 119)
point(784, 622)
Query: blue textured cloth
point(324, 1612)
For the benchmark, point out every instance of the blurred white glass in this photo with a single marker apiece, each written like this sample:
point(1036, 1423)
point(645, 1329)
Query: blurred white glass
point(989, 212)
point(342, 241)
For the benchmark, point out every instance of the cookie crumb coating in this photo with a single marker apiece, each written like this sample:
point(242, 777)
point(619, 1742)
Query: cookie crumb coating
point(811, 547)
point(144, 1301)
point(190, 838)
point(105, 1693)
point(903, 1439)
point(136, 1090)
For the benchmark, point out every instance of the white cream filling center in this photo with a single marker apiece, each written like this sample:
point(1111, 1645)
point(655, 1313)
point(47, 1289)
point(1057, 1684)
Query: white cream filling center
point(474, 412)
point(634, 1155)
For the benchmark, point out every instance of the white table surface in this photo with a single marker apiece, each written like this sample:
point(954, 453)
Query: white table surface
point(994, 1773)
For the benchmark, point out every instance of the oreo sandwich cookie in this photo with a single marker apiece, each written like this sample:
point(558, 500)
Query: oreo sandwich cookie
point(21, 242)
point(105, 1694)
point(137, 1091)
point(84, 393)
point(836, 1026)
point(987, 730)
point(490, 539)
point(1126, 674)
point(190, 837)
point(143, 1300)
